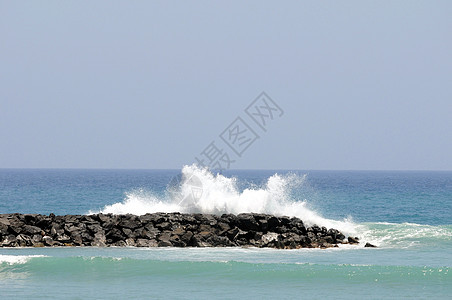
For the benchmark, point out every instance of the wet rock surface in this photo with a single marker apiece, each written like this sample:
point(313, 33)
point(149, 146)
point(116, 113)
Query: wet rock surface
point(165, 230)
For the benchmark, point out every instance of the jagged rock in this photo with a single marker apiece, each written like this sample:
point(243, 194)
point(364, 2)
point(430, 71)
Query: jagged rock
point(163, 226)
point(115, 235)
point(206, 219)
point(94, 228)
point(369, 245)
point(16, 226)
point(328, 239)
point(23, 240)
point(76, 238)
point(176, 241)
point(282, 229)
point(222, 227)
point(69, 228)
point(99, 240)
point(158, 218)
point(4, 221)
point(200, 241)
point(104, 218)
point(131, 222)
point(263, 225)
point(325, 245)
point(353, 240)
point(130, 242)
point(87, 238)
point(127, 232)
point(247, 222)
point(284, 220)
point(43, 222)
point(48, 240)
point(9, 241)
point(35, 239)
point(232, 233)
point(314, 229)
point(205, 228)
point(164, 244)
point(179, 231)
point(164, 236)
point(186, 237)
point(150, 233)
point(269, 237)
point(63, 238)
point(272, 223)
point(56, 230)
point(146, 243)
point(120, 244)
point(219, 241)
point(3, 228)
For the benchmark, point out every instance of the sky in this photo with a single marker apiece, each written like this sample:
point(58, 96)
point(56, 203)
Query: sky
point(361, 85)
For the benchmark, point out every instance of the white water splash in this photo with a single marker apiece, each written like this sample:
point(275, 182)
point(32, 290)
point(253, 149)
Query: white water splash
point(221, 194)
point(404, 235)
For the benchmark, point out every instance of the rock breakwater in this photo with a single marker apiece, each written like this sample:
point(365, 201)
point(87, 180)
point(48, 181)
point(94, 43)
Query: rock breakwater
point(165, 230)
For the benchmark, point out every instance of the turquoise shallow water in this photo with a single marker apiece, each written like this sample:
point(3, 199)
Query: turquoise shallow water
point(406, 213)
point(220, 273)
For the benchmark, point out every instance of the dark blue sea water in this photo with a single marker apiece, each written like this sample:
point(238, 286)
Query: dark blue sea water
point(407, 214)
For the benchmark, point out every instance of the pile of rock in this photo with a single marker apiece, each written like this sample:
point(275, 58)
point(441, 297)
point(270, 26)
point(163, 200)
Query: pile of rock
point(165, 230)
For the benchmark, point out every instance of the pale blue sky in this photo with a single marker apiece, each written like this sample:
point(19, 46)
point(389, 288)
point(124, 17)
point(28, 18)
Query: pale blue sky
point(149, 84)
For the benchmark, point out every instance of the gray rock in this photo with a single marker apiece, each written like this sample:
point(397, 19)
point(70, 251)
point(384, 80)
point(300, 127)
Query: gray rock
point(23, 240)
point(164, 236)
point(93, 228)
point(131, 222)
point(165, 244)
point(9, 241)
point(48, 241)
point(115, 235)
point(63, 238)
point(127, 232)
point(37, 238)
point(163, 226)
point(269, 237)
point(130, 242)
point(99, 240)
point(30, 230)
point(186, 238)
point(146, 243)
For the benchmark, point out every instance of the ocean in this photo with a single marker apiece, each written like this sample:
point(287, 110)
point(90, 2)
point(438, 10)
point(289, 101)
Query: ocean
point(407, 214)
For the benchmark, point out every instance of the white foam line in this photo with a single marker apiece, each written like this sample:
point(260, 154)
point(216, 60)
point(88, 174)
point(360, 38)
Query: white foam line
point(17, 259)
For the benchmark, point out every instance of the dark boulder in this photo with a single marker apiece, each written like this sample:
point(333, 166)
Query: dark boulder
point(369, 245)
point(114, 235)
point(353, 240)
point(247, 222)
point(272, 222)
point(131, 222)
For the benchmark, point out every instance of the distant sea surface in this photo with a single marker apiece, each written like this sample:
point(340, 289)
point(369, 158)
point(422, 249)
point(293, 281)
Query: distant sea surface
point(408, 215)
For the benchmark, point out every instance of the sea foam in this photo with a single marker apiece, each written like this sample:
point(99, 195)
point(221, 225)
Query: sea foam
point(17, 259)
point(201, 191)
